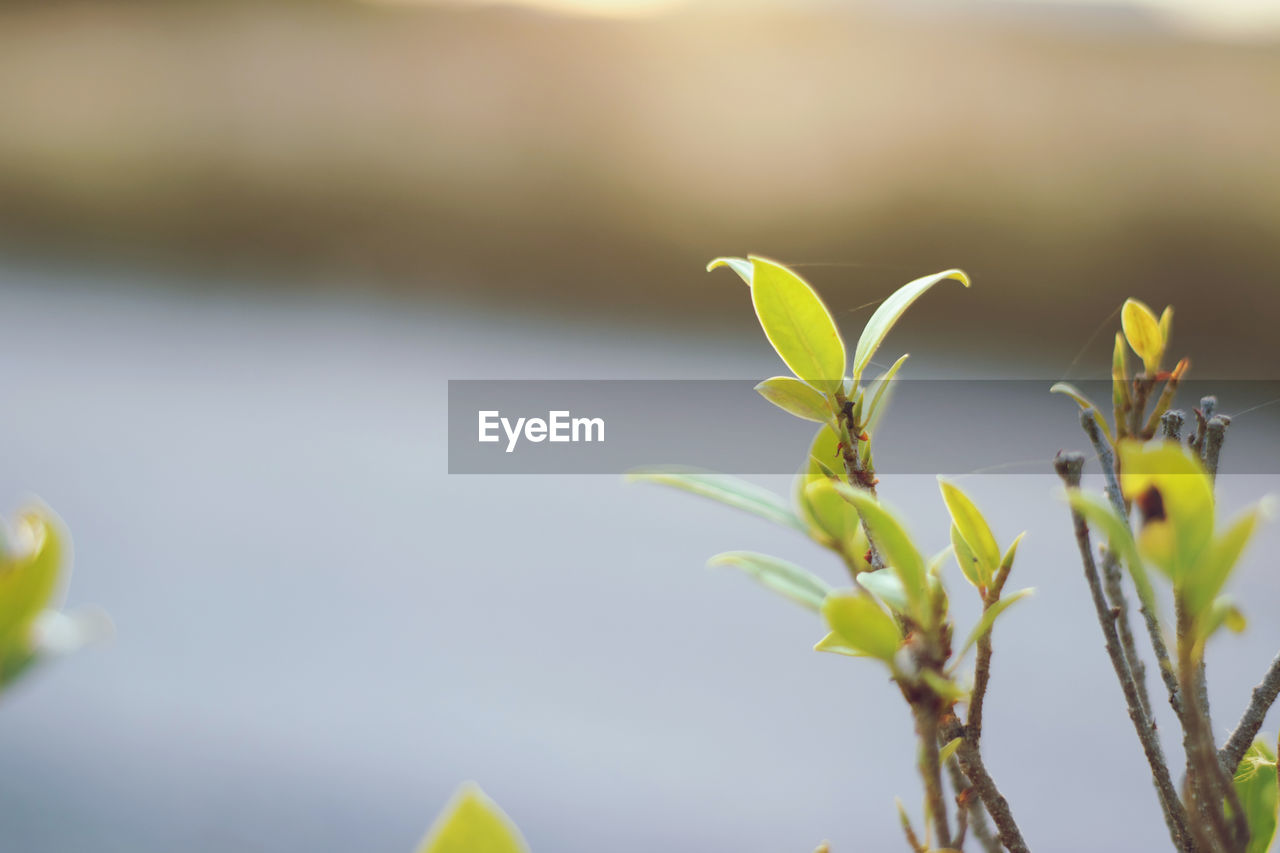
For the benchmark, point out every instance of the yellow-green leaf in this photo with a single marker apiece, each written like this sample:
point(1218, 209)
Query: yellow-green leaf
point(739, 265)
point(944, 754)
point(798, 324)
point(968, 561)
point(1142, 330)
point(860, 622)
point(29, 573)
point(473, 823)
point(1098, 511)
point(834, 644)
point(795, 397)
point(973, 528)
point(1202, 585)
point(1174, 496)
point(1166, 325)
point(880, 399)
point(885, 585)
point(895, 545)
point(1084, 402)
point(787, 579)
point(728, 490)
point(884, 318)
point(1256, 788)
point(832, 519)
point(989, 618)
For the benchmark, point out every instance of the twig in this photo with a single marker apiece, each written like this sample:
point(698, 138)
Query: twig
point(1209, 786)
point(931, 769)
point(1157, 641)
point(972, 803)
point(1069, 467)
point(1214, 434)
point(1251, 720)
point(1113, 586)
point(970, 759)
point(1171, 424)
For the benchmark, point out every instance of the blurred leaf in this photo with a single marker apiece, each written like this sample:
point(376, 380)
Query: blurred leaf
point(967, 561)
point(889, 313)
point(1006, 562)
point(1259, 795)
point(989, 617)
point(1223, 613)
point(899, 552)
point(1119, 388)
point(1098, 511)
point(1208, 579)
point(798, 324)
point(473, 823)
point(834, 644)
point(1084, 402)
point(944, 687)
point(739, 265)
point(944, 754)
point(29, 574)
point(732, 491)
point(860, 622)
point(795, 397)
point(831, 516)
point(1166, 325)
point(880, 399)
point(885, 585)
point(788, 579)
point(973, 528)
point(1142, 330)
point(1175, 498)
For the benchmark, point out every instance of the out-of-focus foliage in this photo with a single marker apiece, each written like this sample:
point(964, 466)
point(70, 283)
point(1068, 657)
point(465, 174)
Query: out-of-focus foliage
point(35, 561)
point(1256, 787)
point(473, 823)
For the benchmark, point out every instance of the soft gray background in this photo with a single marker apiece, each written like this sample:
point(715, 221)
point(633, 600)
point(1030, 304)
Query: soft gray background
point(320, 632)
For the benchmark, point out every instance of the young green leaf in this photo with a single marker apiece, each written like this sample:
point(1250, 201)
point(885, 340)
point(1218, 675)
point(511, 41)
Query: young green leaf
point(973, 528)
point(834, 644)
point(1175, 498)
point(1084, 402)
point(1098, 511)
point(890, 311)
point(29, 574)
point(944, 687)
point(885, 585)
point(989, 618)
point(862, 625)
point(1256, 787)
point(1203, 585)
point(880, 399)
point(473, 823)
point(795, 397)
point(787, 579)
point(968, 561)
point(739, 265)
point(832, 519)
point(798, 324)
point(1142, 330)
point(899, 552)
point(728, 490)
point(944, 754)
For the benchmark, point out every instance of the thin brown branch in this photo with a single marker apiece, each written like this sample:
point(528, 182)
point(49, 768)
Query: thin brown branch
point(970, 759)
point(1069, 467)
point(968, 799)
point(1167, 674)
point(926, 715)
point(1264, 695)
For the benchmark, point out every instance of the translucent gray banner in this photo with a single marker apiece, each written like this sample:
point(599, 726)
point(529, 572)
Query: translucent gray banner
point(930, 426)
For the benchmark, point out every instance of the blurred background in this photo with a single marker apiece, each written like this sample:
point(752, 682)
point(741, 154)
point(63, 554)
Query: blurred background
point(243, 246)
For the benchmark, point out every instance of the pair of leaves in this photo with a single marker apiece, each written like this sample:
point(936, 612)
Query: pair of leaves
point(1146, 335)
point(473, 823)
point(801, 328)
